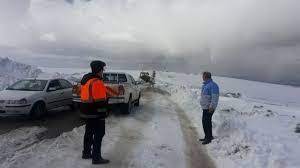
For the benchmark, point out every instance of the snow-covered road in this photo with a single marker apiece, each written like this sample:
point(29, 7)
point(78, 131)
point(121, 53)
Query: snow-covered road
point(156, 134)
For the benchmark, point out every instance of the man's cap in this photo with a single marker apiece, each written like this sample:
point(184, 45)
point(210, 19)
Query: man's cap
point(97, 66)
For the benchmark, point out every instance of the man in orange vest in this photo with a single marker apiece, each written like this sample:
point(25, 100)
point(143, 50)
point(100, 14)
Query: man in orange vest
point(93, 109)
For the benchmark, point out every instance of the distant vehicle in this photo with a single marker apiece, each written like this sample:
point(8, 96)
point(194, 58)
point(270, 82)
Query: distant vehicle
point(34, 97)
point(145, 76)
point(122, 90)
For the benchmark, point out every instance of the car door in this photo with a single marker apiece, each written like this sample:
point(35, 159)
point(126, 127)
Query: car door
point(54, 94)
point(67, 91)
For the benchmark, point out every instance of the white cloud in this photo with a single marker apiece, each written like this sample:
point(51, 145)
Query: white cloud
point(49, 37)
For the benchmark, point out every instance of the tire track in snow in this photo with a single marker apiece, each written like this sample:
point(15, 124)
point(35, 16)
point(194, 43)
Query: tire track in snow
point(123, 154)
point(195, 152)
point(129, 134)
point(196, 156)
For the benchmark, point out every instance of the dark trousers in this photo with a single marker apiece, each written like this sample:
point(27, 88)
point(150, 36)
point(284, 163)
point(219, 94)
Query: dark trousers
point(206, 123)
point(94, 132)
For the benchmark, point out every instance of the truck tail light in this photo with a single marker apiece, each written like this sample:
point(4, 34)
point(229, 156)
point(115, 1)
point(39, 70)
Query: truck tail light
point(76, 89)
point(121, 90)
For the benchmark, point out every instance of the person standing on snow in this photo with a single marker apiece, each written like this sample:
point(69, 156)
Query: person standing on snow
point(93, 109)
point(209, 101)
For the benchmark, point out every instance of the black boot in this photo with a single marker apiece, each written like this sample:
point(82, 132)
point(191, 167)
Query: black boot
point(207, 141)
point(100, 161)
point(86, 155)
point(202, 139)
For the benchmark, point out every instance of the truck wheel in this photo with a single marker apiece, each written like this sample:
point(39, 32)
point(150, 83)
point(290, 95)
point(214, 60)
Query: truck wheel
point(127, 107)
point(38, 111)
point(138, 101)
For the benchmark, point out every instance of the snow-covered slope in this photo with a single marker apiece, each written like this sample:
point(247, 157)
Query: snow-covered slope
point(17, 140)
point(11, 71)
point(255, 129)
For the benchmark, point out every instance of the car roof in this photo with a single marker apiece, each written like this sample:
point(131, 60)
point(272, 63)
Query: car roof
point(45, 78)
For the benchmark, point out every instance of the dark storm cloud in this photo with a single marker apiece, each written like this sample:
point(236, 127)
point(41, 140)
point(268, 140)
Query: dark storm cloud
point(257, 39)
point(70, 1)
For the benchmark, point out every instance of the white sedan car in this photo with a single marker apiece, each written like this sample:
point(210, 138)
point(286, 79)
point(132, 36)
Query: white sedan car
point(34, 97)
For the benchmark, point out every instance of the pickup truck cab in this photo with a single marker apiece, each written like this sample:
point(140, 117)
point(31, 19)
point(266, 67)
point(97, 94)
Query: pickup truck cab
point(122, 90)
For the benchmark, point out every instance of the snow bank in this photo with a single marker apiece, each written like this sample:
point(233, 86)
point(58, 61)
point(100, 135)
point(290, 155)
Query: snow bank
point(249, 132)
point(11, 71)
point(18, 139)
point(63, 149)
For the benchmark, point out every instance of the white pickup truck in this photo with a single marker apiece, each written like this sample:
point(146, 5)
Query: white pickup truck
point(123, 91)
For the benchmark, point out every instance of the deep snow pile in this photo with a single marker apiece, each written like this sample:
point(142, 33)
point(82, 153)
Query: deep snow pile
point(11, 71)
point(250, 132)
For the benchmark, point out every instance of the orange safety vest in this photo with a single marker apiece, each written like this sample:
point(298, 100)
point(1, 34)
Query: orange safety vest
point(93, 91)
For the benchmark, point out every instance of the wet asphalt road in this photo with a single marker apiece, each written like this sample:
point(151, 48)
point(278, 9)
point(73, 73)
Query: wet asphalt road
point(57, 121)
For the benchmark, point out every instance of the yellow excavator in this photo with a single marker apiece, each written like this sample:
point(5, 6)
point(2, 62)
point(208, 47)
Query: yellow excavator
point(146, 77)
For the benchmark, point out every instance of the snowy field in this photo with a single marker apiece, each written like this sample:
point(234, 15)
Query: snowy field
point(255, 128)
point(254, 125)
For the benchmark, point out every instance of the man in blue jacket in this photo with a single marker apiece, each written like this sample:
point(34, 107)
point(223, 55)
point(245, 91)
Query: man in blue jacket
point(209, 102)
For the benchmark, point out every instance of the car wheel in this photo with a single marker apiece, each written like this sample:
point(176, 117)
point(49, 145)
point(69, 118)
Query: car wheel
point(138, 101)
point(38, 111)
point(127, 107)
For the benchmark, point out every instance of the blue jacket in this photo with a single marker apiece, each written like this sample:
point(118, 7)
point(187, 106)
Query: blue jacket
point(209, 95)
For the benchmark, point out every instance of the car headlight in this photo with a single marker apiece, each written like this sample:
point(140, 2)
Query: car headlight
point(22, 101)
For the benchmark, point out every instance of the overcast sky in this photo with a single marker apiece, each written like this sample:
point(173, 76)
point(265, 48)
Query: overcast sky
point(248, 38)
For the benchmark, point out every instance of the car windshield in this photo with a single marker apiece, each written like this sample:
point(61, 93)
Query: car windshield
point(29, 85)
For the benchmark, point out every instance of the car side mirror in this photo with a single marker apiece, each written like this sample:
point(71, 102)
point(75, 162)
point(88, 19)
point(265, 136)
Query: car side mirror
point(52, 89)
